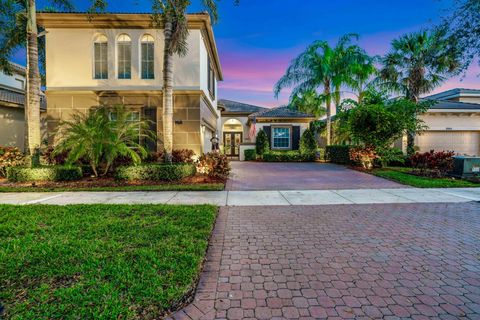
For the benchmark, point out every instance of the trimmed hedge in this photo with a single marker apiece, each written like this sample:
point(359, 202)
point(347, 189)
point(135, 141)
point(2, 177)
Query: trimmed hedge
point(287, 156)
point(155, 172)
point(250, 155)
point(338, 154)
point(47, 173)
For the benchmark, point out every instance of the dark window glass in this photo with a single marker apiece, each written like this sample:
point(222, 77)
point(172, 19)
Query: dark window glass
point(101, 61)
point(124, 60)
point(148, 69)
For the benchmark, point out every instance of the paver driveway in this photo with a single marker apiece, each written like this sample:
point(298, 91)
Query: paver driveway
point(301, 176)
point(348, 261)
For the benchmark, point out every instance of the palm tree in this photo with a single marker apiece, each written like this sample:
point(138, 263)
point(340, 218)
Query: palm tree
point(172, 15)
point(418, 63)
point(309, 102)
point(18, 29)
point(325, 67)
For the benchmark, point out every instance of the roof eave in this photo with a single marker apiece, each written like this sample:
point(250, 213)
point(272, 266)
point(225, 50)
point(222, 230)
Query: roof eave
point(127, 20)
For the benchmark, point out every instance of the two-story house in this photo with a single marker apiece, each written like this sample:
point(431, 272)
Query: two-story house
point(112, 59)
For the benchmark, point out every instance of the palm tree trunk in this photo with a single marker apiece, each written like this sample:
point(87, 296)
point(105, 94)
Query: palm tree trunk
point(329, 111)
point(410, 134)
point(168, 94)
point(32, 105)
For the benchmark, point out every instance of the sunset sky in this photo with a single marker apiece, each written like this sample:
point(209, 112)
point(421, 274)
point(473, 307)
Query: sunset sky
point(257, 39)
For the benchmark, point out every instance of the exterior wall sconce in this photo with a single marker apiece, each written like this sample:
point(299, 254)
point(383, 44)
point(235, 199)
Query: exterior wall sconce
point(178, 121)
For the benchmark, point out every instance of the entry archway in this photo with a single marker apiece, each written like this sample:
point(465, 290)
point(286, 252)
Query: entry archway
point(232, 137)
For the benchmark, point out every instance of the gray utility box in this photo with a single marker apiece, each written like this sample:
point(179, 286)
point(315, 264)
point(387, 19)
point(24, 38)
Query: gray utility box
point(465, 167)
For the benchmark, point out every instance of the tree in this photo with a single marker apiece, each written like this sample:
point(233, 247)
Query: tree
point(379, 124)
point(261, 143)
point(18, 25)
point(310, 102)
point(417, 64)
point(308, 144)
point(463, 25)
point(327, 68)
point(172, 16)
point(101, 136)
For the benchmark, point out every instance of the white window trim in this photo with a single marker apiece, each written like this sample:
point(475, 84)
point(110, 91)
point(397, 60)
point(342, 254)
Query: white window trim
point(116, 57)
point(272, 128)
point(95, 40)
point(140, 42)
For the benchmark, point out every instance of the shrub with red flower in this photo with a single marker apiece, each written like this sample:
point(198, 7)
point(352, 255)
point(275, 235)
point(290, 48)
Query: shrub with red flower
point(214, 165)
point(432, 163)
point(363, 155)
point(10, 157)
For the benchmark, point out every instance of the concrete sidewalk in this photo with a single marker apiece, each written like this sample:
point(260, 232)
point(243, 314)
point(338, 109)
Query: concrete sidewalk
point(251, 198)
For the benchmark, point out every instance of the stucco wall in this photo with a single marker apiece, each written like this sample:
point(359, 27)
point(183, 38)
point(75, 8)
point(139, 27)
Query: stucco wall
point(12, 127)
point(452, 121)
point(71, 65)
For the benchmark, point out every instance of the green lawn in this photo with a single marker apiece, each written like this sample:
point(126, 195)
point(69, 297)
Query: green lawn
point(401, 175)
point(100, 261)
point(161, 187)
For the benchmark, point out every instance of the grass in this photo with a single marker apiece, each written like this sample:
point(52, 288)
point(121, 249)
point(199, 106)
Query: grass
point(402, 176)
point(100, 261)
point(162, 187)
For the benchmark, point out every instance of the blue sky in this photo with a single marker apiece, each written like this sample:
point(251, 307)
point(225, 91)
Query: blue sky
point(257, 39)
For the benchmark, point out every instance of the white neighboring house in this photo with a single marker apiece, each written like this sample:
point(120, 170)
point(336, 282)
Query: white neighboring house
point(12, 107)
point(453, 123)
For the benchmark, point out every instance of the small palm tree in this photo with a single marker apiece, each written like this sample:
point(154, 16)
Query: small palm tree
point(327, 68)
point(101, 136)
point(309, 102)
point(418, 63)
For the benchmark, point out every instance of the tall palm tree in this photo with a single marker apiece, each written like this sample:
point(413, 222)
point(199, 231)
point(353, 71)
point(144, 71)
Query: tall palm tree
point(309, 102)
point(172, 15)
point(18, 29)
point(324, 67)
point(418, 63)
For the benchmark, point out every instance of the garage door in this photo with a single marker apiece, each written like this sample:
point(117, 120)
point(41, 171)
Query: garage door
point(462, 142)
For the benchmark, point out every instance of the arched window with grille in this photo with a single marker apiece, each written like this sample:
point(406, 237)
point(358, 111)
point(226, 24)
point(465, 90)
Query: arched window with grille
point(124, 57)
point(147, 57)
point(100, 48)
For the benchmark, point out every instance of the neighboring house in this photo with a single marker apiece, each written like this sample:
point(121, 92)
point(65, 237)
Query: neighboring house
point(282, 125)
point(453, 123)
point(12, 107)
point(113, 59)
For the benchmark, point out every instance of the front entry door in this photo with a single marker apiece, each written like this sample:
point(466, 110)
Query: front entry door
point(231, 143)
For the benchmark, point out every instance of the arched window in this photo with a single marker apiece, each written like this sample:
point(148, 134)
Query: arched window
point(148, 57)
point(100, 48)
point(124, 56)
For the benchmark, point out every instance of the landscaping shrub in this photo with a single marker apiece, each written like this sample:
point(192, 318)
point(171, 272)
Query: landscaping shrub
point(183, 156)
point(338, 154)
point(155, 172)
point(390, 156)
point(214, 165)
point(308, 144)
point(51, 157)
point(262, 144)
point(46, 173)
point(321, 153)
point(250, 155)
point(436, 164)
point(364, 156)
point(286, 156)
point(178, 156)
point(10, 157)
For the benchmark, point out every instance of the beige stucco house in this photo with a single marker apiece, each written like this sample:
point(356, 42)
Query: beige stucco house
point(12, 107)
point(282, 125)
point(118, 59)
point(453, 123)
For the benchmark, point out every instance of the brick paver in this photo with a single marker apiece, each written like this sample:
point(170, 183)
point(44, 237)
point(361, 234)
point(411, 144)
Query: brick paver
point(301, 176)
point(346, 261)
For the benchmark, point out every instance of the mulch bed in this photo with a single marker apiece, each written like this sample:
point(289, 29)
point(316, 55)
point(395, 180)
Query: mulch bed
point(90, 182)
